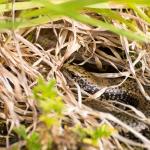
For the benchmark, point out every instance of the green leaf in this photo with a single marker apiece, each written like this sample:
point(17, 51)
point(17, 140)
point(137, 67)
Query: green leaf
point(21, 131)
point(49, 121)
point(33, 142)
point(102, 131)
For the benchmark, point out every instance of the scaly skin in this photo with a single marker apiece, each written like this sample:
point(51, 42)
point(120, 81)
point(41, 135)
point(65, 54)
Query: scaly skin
point(127, 93)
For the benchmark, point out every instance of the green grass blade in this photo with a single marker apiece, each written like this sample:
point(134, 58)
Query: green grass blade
point(114, 15)
point(37, 21)
point(140, 13)
point(114, 3)
point(98, 23)
point(8, 25)
point(19, 6)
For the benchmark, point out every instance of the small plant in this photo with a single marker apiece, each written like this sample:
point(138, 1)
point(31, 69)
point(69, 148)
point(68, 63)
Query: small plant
point(92, 136)
point(50, 103)
point(51, 107)
point(32, 141)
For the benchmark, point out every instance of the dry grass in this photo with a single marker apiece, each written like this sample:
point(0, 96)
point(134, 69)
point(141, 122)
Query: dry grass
point(63, 41)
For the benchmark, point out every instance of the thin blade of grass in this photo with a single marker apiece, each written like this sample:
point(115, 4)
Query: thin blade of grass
point(140, 13)
point(19, 6)
point(116, 16)
point(98, 23)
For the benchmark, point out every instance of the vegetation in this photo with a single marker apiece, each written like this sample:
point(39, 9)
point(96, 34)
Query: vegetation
point(38, 37)
point(48, 10)
point(52, 107)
